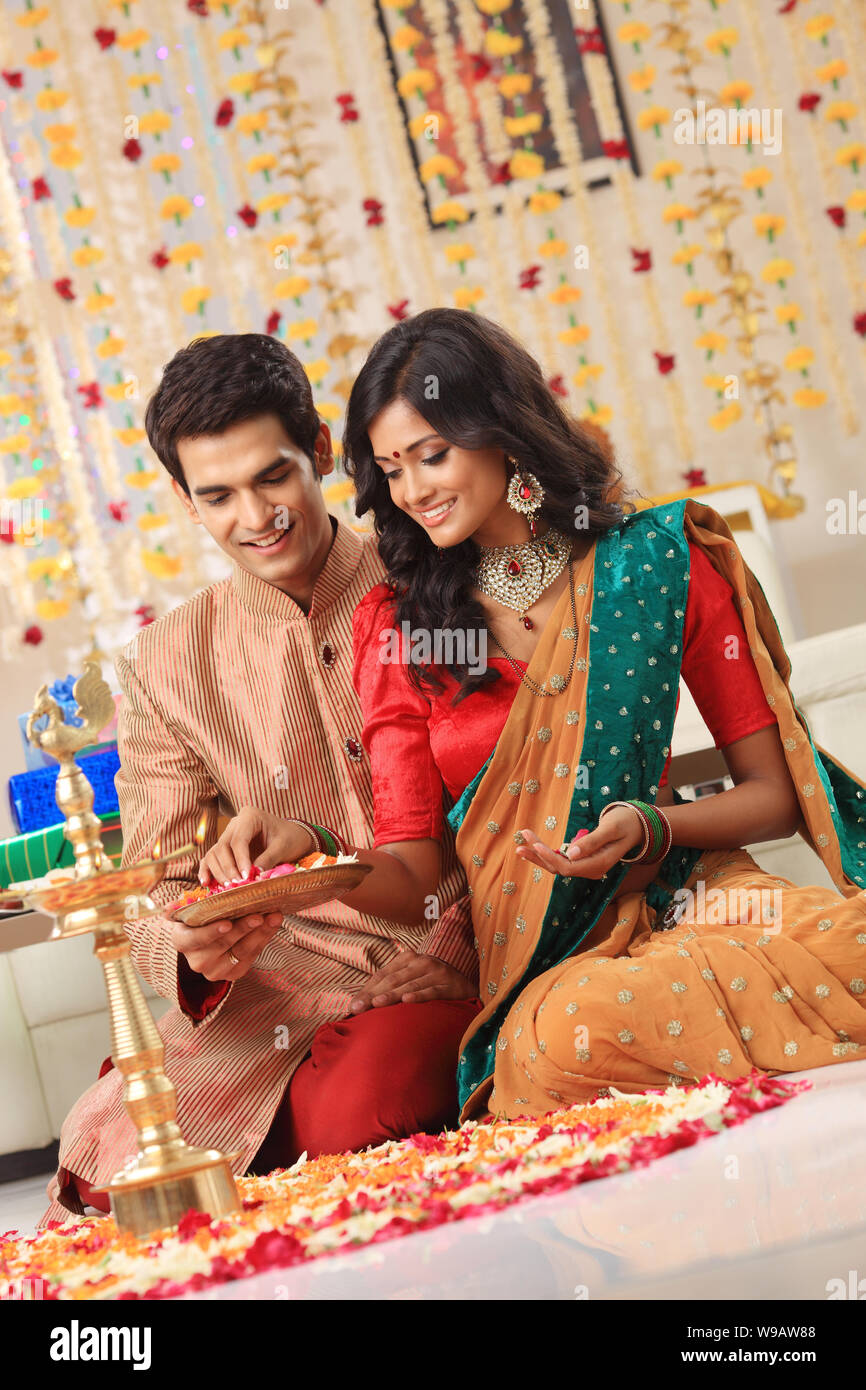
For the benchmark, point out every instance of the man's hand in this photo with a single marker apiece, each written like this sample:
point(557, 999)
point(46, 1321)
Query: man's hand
point(413, 979)
point(207, 948)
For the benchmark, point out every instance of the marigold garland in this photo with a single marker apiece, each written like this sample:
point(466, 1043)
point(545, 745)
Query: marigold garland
point(567, 138)
point(829, 161)
point(600, 84)
point(790, 312)
point(337, 1203)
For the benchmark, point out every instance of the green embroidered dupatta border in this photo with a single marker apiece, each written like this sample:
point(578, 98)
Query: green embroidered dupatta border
point(847, 800)
point(635, 653)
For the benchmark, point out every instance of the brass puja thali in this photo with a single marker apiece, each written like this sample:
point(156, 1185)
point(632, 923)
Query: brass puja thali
point(287, 888)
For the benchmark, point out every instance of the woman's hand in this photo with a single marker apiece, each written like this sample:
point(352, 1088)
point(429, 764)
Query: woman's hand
point(251, 832)
point(591, 854)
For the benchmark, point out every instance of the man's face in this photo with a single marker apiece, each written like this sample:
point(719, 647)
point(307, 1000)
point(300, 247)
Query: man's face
point(255, 492)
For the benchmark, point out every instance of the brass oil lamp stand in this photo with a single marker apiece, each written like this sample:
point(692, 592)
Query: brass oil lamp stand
point(167, 1176)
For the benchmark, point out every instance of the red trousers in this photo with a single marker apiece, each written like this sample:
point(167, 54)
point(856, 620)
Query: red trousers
point(383, 1074)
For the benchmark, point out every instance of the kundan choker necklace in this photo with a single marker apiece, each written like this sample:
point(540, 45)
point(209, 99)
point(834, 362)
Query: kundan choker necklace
point(558, 682)
point(517, 575)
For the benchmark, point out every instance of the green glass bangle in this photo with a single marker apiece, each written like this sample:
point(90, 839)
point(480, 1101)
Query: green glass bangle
point(656, 829)
point(327, 839)
point(661, 833)
point(655, 832)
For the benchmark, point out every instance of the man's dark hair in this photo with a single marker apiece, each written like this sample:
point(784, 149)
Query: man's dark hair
point(214, 383)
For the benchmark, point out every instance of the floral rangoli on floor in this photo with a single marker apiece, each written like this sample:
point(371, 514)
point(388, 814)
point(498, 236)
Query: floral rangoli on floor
point(341, 1203)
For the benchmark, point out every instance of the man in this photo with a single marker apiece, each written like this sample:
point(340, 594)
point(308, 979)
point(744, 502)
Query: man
point(242, 697)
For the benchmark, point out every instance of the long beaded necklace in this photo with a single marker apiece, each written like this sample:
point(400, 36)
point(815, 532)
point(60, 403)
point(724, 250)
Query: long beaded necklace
point(529, 681)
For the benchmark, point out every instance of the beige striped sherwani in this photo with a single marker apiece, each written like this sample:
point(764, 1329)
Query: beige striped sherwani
point(233, 699)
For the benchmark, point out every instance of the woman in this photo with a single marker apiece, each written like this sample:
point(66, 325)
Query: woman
point(496, 516)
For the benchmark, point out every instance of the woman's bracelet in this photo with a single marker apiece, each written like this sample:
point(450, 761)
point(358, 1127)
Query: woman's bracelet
point(326, 841)
point(657, 834)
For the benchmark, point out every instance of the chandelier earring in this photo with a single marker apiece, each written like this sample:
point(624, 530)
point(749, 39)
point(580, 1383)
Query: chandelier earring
point(525, 494)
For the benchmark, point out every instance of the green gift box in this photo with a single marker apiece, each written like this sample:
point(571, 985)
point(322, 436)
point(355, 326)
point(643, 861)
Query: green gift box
point(31, 856)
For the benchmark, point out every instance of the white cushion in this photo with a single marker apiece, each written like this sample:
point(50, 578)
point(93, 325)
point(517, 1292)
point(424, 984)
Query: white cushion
point(24, 1120)
point(60, 979)
point(69, 1053)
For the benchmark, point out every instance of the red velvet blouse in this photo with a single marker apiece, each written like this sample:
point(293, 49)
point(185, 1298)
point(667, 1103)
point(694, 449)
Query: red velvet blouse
point(416, 743)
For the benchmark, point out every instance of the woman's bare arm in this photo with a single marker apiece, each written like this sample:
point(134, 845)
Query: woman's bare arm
point(762, 804)
point(405, 875)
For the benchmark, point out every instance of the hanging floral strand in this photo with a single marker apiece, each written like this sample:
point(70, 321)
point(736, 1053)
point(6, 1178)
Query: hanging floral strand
point(788, 314)
point(567, 138)
point(457, 105)
point(598, 76)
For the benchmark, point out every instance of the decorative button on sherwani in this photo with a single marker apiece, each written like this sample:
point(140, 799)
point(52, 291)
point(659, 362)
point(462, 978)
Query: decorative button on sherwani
point(354, 749)
point(327, 655)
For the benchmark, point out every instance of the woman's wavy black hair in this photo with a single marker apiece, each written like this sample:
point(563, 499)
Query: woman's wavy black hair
point(479, 389)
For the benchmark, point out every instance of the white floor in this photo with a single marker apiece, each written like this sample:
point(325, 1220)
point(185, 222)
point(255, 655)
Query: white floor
point(22, 1203)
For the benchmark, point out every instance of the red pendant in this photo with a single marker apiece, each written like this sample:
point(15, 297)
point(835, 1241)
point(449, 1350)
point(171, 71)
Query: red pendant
point(528, 623)
point(515, 567)
point(524, 492)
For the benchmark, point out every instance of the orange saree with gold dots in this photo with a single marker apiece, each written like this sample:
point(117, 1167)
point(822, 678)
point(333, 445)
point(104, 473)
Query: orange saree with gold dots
point(582, 988)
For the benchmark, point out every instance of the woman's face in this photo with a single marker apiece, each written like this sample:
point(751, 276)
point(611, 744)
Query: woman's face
point(451, 493)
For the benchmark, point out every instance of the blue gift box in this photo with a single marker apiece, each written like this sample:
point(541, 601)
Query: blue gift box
point(61, 691)
point(32, 798)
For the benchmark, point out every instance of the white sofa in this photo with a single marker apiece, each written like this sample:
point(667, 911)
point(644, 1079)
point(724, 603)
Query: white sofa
point(828, 678)
point(54, 1034)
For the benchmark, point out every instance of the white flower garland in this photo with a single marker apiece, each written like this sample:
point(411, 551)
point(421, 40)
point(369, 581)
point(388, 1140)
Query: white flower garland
point(407, 204)
point(140, 354)
point(827, 169)
point(382, 240)
point(600, 83)
point(567, 138)
point(99, 436)
point(457, 104)
point(514, 216)
point(854, 46)
point(226, 272)
point(51, 386)
point(842, 394)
